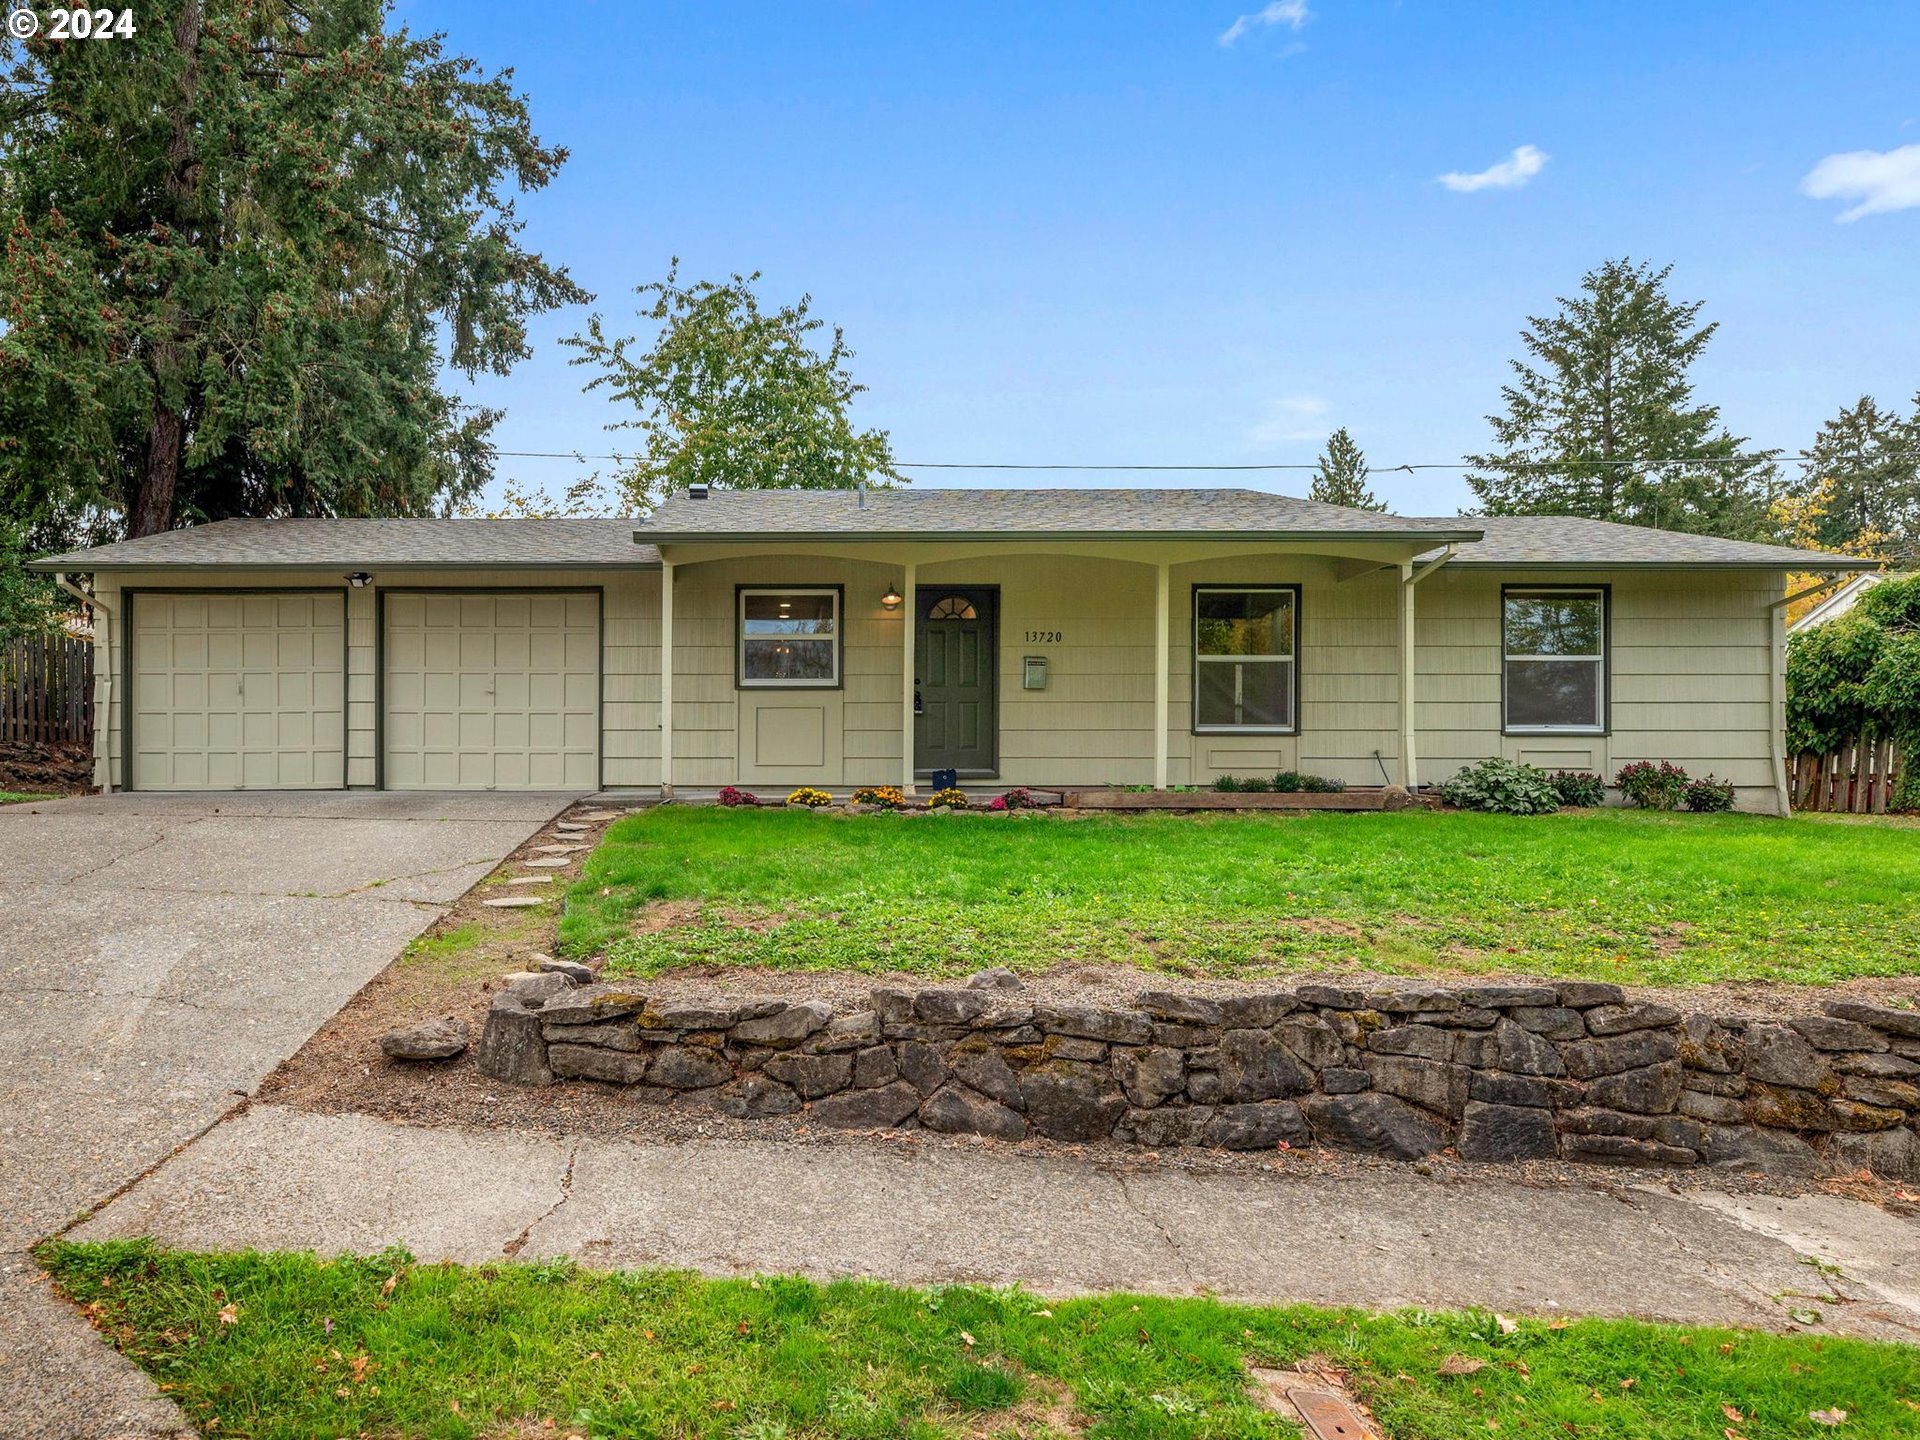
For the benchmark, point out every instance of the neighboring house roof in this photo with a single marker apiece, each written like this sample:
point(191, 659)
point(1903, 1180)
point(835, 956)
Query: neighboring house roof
point(363, 544)
point(1510, 541)
point(1567, 542)
point(1838, 602)
point(963, 514)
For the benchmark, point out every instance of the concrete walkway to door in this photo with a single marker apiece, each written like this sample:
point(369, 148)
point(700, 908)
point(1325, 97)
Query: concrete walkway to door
point(160, 955)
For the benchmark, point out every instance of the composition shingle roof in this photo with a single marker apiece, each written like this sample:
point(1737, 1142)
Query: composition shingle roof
point(957, 513)
point(1564, 541)
point(417, 544)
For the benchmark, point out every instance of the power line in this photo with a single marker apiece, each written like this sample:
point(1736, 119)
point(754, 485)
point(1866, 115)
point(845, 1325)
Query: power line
point(582, 457)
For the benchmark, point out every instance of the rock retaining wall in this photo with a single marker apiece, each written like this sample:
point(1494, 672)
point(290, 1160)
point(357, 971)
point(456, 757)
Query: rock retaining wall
point(1570, 1071)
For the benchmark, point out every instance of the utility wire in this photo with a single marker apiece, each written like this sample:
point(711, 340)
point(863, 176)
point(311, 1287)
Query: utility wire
point(583, 457)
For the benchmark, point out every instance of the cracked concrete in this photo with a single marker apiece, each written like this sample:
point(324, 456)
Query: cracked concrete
point(940, 1211)
point(159, 955)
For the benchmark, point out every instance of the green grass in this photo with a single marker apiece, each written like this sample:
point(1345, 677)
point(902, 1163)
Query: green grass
point(20, 797)
point(1615, 895)
point(313, 1347)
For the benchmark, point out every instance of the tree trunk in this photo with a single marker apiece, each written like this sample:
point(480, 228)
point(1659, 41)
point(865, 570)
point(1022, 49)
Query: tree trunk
point(152, 509)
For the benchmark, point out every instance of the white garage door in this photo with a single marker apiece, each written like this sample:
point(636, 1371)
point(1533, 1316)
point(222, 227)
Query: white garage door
point(496, 691)
point(238, 692)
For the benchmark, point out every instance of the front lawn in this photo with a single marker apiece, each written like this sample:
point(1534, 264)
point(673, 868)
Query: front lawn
point(1618, 895)
point(282, 1346)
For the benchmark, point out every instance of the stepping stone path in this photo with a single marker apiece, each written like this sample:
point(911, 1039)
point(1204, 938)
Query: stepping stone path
point(516, 902)
point(560, 849)
point(531, 880)
point(568, 827)
point(551, 862)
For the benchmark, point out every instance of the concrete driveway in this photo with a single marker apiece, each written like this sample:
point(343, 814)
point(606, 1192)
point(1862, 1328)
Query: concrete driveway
point(159, 955)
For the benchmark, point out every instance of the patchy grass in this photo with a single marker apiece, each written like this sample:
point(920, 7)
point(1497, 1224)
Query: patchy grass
point(1616, 895)
point(278, 1345)
point(20, 797)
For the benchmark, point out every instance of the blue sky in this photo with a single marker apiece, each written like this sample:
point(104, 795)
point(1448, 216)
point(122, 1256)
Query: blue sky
point(1111, 233)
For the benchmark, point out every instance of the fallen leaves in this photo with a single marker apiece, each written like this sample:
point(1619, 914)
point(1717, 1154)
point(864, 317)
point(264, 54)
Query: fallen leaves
point(1457, 1364)
point(1732, 1412)
point(1828, 1417)
point(1507, 1327)
point(229, 1314)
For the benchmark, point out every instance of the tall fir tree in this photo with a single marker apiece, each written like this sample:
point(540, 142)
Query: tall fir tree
point(241, 247)
point(1342, 476)
point(1869, 459)
point(1601, 420)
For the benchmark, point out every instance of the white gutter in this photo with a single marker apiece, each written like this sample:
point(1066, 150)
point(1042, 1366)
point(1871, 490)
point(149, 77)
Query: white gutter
point(1410, 577)
point(1777, 681)
point(103, 675)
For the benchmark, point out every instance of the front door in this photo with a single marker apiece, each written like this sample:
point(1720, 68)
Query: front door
point(957, 724)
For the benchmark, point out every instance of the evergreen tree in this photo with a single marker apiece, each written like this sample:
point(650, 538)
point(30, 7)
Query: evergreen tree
point(1869, 461)
point(1601, 421)
point(240, 247)
point(1342, 476)
point(732, 395)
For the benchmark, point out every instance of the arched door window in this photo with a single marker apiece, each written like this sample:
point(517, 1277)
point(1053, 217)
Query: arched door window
point(952, 607)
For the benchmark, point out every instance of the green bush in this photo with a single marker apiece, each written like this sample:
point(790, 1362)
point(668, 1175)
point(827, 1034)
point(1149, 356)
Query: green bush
point(1709, 795)
point(1653, 787)
point(1859, 676)
point(1580, 788)
point(1242, 785)
point(1502, 786)
point(1298, 782)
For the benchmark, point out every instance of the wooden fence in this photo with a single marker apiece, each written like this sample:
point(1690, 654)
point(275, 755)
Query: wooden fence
point(1859, 777)
point(46, 690)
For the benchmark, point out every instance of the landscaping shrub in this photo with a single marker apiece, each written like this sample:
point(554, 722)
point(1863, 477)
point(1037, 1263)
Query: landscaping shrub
point(1859, 676)
point(813, 799)
point(1298, 782)
point(1580, 788)
point(1015, 799)
point(1243, 784)
point(1503, 786)
point(887, 797)
point(951, 798)
point(1709, 796)
point(1653, 787)
point(731, 795)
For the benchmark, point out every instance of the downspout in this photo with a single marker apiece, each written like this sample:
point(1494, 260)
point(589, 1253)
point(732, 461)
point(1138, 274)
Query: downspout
point(1409, 756)
point(1777, 688)
point(103, 674)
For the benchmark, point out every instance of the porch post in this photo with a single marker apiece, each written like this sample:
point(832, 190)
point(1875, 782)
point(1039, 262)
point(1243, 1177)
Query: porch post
point(1409, 762)
point(666, 679)
point(1160, 681)
point(909, 621)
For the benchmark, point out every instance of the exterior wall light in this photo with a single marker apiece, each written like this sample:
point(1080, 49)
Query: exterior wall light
point(891, 600)
point(359, 579)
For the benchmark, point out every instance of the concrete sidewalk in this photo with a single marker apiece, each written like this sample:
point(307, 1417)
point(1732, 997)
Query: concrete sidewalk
point(944, 1211)
point(160, 955)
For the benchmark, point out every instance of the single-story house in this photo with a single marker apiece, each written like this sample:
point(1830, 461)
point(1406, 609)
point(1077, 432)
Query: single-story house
point(1020, 637)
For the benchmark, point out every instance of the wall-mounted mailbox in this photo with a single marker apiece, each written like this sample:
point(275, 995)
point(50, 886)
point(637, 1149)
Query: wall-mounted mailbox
point(1034, 676)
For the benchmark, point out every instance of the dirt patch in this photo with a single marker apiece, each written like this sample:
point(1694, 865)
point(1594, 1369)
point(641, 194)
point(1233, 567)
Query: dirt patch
point(658, 916)
point(1046, 1410)
point(46, 769)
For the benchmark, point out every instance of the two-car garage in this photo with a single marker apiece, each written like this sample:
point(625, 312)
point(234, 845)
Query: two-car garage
point(474, 690)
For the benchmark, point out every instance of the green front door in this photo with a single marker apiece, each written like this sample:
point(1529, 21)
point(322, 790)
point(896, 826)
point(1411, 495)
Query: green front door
point(957, 724)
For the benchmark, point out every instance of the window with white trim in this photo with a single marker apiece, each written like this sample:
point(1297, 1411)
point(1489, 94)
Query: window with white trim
point(1555, 651)
point(1245, 677)
point(790, 637)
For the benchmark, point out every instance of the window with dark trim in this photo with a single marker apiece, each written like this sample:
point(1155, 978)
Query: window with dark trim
point(1554, 659)
point(789, 637)
point(1245, 670)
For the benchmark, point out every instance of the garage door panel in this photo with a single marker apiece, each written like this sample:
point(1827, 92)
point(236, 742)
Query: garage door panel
point(496, 691)
point(238, 691)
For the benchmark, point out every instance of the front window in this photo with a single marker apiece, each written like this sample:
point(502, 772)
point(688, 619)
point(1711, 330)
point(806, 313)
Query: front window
point(1556, 659)
point(790, 637)
point(1244, 673)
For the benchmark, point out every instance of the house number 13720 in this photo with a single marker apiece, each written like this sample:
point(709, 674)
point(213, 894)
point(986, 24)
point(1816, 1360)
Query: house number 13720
point(1043, 637)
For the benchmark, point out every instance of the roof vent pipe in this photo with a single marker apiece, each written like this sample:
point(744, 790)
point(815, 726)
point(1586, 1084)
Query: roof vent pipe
point(697, 490)
point(861, 486)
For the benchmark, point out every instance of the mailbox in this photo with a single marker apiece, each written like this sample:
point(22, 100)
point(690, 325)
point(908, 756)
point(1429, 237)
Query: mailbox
point(1034, 675)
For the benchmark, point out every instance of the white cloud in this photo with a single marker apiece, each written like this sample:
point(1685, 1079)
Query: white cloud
point(1880, 181)
point(1510, 174)
point(1290, 13)
point(1291, 417)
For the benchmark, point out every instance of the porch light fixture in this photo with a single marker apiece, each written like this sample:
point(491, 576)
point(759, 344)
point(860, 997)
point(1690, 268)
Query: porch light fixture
point(891, 600)
point(359, 579)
